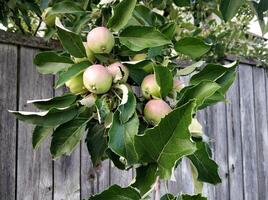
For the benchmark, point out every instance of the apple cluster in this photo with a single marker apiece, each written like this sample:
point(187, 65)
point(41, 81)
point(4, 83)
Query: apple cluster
point(99, 79)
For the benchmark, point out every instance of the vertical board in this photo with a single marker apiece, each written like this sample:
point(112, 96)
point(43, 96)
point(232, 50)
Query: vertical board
point(67, 173)
point(120, 177)
point(261, 130)
point(34, 174)
point(250, 167)
point(8, 125)
point(234, 143)
point(88, 175)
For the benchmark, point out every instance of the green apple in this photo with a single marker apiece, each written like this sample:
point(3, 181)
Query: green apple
point(149, 87)
point(76, 85)
point(155, 110)
point(97, 79)
point(100, 40)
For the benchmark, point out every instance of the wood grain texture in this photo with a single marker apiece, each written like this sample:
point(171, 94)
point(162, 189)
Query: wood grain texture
point(261, 130)
point(67, 172)
point(34, 175)
point(8, 125)
point(235, 161)
point(250, 166)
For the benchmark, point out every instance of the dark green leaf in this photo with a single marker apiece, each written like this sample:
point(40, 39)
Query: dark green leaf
point(53, 117)
point(229, 8)
point(212, 72)
point(121, 137)
point(168, 141)
point(96, 143)
point(145, 178)
point(207, 168)
point(67, 136)
point(64, 7)
point(103, 108)
point(168, 197)
point(138, 38)
point(70, 41)
point(39, 134)
point(50, 62)
point(71, 72)
point(182, 3)
point(200, 92)
point(164, 80)
point(56, 102)
point(168, 29)
point(127, 109)
point(193, 47)
point(191, 197)
point(122, 12)
point(115, 159)
point(116, 192)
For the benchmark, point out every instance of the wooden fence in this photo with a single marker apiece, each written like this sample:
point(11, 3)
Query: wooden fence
point(238, 132)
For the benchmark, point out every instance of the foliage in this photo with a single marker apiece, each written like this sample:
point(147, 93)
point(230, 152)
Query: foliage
point(114, 120)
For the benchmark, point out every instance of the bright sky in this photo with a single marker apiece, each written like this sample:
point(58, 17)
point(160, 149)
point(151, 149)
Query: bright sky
point(254, 27)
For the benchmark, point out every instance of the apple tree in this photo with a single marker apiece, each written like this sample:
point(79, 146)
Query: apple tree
point(119, 60)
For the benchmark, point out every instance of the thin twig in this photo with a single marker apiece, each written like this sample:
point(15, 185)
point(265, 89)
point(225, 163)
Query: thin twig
point(39, 24)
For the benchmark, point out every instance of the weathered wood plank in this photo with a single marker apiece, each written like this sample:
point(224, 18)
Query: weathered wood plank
point(34, 175)
point(261, 130)
point(234, 143)
point(248, 137)
point(67, 173)
point(88, 174)
point(8, 125)
point(120, 177)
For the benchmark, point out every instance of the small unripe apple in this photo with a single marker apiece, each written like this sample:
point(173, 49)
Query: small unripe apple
point(155, 110)
point(195, 128)
point(178, 85)
point(139, 57)
point(90, 55)
point(149, 87)
point(47, 18)
point(100, 40)
point(76, 85)
point(97, 79)
point(119, 72)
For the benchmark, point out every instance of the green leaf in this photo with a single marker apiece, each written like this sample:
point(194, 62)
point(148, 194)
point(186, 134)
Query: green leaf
point(50, 62)
point(182, 3)
point(212, 72)
point(40, 133)
point(213, 99)
point(145, 178)
point(164, 80)
point(146, 17)
point(191, 197)
point(121, 137)
point(193, 47)
point(103, 108)
point(53, 117)
point(122, 12)
point(260, 8)
point(168, 197)
point(96, 143)
point(115, 159)
point(116, 192)
point(207, 168)
point(229, 8)
point(168, 29)
point(198, 185)
point(65, 7)
point(189, 69)
point(138, 38)
point(67, 136)
point(56, 102)
point(127, 109)
point(70, 41)
point(168, 141)
point(139, 70)
point(71, 72)
point(200, 92)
